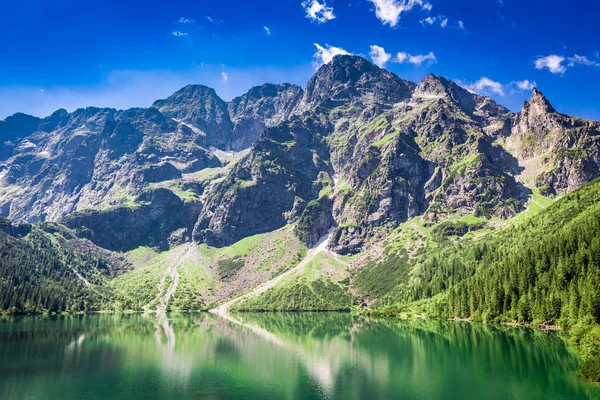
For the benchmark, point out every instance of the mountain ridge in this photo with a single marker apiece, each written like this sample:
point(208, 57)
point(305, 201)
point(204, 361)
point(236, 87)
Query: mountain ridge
point(399, 149)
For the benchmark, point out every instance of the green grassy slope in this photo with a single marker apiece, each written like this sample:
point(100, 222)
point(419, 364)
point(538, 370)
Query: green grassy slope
point(319, 286)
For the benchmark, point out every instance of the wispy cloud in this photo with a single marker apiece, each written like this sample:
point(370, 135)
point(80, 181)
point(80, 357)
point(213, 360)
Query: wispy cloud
point(556, 64)
point(487, 87)
point(324, 55)
point(317, 11)
point(525, 84)
point(208, 17)
point(484, 86)
point(418, 59)
point(179, 33)
point(184, 20)
point(582, 60)
point(390, 11)
point(266, 28)
point(440, 20)
point(379, 56)
point(224, 76)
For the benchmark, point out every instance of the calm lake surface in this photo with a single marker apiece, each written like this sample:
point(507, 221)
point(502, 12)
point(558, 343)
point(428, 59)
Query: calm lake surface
point(280, 356)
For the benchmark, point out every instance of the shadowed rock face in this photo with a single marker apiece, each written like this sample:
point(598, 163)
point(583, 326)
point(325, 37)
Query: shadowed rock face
point(13, 129)
point(259, 192)
point(261, 108)
point(235, 125)
point(360, 149)
point(159, 220)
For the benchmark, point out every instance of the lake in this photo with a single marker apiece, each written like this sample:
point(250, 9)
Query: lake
point(280, 356)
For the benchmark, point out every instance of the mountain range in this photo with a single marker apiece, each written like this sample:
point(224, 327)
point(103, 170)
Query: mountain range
point(220, 197)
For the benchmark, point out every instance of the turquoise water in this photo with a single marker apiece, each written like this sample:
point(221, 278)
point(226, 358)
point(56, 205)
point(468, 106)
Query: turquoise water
point(280, 356)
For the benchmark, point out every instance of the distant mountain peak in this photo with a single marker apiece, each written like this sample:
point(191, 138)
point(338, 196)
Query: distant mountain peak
point(538, 104)
point(433, 86)
point(353, 78)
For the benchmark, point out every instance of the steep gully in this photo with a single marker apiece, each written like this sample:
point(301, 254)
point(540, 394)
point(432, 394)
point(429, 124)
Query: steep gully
point(164, 299)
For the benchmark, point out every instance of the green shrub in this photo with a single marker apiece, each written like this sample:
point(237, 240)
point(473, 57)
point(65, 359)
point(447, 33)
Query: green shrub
point(591, 368)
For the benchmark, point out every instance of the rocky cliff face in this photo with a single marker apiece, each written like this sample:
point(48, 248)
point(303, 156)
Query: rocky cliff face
point(96, 158)
point(199, 108)
point(558, 152)
point(261, 108)
point(278, 176)
point(360, 149)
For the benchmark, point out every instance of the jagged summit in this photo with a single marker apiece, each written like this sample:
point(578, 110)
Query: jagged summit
point(432, 85)
point(352, 78)
point(538, 104)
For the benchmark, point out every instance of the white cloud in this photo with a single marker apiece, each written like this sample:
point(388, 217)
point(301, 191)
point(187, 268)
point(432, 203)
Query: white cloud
point(224, 76)
point(317, 11)
point(324, 55)
point(555, 63)
point(179, 33)
point(389, 11)
point(440, 19)
point(41, 90)
point(487, 87)
point(525, 84)
point(552, 62)
point(583, 60)
point(208, 17)
point(428, 21)
point(484, 86)
point(419, 59)
point(185, 20)
point(266, 28)
point(379, 56)
point(461, 25)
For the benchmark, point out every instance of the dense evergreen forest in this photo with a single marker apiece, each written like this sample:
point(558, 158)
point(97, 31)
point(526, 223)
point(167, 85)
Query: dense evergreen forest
point(545, 270)
point(37, 272)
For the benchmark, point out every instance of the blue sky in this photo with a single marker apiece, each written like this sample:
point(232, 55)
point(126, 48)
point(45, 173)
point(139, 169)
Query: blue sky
point(70, 54)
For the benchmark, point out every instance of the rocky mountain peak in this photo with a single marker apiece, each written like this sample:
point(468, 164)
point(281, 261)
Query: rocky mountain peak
point(189, 101)
point(266, 90)
point(351, 79)
point(432, 86)
point(200, 107)
point(17, 126)
point(438, 87)
point(538, 104)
